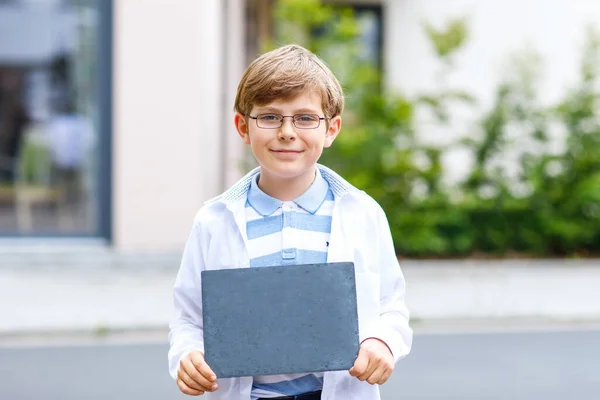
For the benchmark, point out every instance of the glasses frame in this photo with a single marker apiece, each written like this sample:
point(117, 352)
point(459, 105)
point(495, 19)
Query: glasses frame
point(256, 117)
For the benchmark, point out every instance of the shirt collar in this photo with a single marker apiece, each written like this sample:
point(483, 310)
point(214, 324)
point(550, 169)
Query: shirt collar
point(338, 185)
point(315, 195)
point(310, 200)
point(260, 201)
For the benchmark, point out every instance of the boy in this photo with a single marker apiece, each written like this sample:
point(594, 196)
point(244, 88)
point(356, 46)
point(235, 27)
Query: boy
point(291, 210)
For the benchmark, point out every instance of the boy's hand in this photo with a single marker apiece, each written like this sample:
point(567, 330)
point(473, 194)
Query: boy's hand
point(194, 376)
point(374, 363)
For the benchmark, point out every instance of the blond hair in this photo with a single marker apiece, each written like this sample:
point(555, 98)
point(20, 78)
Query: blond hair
point(284, 73)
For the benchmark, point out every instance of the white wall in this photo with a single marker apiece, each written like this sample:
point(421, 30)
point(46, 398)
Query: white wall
point(235, 65)
point(498, 28)
point(168, 107)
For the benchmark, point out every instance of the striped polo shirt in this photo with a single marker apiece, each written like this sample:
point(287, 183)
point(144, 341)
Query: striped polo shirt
point(288, 233)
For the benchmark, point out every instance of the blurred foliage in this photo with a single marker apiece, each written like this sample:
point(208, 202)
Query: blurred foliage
point(448, 40)
point(34, 163)
point(549, 206)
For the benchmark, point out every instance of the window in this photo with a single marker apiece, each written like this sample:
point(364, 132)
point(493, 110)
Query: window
point(49, 119)
point(371, 27)
point(260, 26)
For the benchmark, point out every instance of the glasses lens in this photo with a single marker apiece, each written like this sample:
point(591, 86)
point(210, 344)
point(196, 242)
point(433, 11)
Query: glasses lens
point(306, 121)
point(269, 121)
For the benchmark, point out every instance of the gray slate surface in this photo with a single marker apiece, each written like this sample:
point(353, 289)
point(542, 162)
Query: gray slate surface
point(280, 320)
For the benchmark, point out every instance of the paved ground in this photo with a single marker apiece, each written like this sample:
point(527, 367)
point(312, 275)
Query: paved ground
point(500, 366)
point(490, 366)
point(93, 290)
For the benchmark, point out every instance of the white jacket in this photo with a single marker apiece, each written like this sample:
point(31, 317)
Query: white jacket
point(359, 233)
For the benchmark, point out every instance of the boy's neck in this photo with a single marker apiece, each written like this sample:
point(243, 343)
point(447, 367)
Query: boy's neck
point(286, 189)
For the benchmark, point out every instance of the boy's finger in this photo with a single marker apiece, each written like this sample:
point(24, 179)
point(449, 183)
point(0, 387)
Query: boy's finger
point(375, 377)
point(361, 363)
point(386, 376)
point(371, 367)
point(191, 383)
point(188, 390)
point(198, 360)
point(192, 371)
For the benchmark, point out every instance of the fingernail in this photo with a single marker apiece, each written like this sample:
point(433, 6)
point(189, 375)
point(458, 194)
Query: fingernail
point(215, 386)
point(212, 377)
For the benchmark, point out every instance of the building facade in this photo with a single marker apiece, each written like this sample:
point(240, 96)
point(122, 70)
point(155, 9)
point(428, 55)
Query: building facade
point(116, 116)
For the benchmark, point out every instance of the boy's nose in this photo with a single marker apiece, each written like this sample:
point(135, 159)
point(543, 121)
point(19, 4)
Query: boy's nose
point(287, 130)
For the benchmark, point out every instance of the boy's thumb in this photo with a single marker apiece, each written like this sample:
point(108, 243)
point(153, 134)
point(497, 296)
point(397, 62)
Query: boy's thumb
point(361, 363)
point(197, 358)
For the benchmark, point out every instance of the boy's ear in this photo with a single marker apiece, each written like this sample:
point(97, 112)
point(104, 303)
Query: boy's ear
point(241, 126)
point(335, 124)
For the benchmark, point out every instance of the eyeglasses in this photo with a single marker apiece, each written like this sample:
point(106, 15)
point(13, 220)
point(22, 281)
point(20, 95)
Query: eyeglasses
point(300, 121)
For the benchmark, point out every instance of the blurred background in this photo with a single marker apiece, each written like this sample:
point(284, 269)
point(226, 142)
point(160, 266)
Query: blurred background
point(475, 124)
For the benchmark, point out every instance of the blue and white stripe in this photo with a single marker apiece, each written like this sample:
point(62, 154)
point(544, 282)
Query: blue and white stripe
point(274, 386)
point(293, 236)
point(288, 233)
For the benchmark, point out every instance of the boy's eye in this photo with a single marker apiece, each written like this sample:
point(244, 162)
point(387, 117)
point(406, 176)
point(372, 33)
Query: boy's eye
point(269, 117)
point(306, 118)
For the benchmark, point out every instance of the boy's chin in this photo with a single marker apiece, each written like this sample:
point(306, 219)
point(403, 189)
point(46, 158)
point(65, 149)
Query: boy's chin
point(288, 170)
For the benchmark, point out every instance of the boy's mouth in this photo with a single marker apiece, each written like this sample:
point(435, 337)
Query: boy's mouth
point(286, 151)
point(286, 155)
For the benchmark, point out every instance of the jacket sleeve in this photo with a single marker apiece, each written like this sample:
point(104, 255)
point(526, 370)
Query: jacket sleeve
point(393, 327)
point(186, 328)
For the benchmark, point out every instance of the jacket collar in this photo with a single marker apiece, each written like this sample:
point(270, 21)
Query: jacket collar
point(338, 185)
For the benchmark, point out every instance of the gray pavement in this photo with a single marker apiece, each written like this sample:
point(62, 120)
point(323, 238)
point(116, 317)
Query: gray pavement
point(508, 366)
point(499, 366)
point(88, 288)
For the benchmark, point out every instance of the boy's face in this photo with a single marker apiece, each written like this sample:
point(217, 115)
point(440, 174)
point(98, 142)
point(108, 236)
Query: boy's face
point(288, 151)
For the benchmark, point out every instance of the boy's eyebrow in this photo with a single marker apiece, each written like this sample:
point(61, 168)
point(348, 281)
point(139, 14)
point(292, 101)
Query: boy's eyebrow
point(267, 109)
point(275, 110)
point(306, 111)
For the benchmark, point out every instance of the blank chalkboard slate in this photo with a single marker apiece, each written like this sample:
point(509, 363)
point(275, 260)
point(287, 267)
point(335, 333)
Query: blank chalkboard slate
point(280, 320)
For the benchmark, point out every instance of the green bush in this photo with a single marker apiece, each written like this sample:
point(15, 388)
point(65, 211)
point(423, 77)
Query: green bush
point(552, 207)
